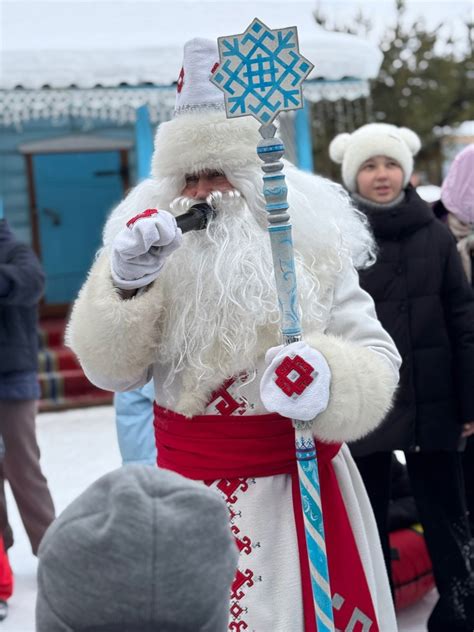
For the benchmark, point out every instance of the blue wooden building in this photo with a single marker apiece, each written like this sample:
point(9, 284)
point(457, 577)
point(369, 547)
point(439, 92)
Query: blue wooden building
point(82, 89)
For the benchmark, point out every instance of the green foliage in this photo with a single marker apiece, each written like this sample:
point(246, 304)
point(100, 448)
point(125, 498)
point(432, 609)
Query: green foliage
point(424, 83)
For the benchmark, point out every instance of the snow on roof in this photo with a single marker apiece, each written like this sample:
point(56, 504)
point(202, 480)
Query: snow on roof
point(110, 43)
point(464, 129)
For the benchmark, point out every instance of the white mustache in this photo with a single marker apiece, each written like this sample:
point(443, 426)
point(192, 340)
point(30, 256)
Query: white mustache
point(217, 200)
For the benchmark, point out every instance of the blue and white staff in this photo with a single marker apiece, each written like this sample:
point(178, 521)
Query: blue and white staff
point(261, 72)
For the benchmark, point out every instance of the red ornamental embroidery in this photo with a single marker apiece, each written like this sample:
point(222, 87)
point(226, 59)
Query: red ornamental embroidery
point(238, 626)
point(234, 514)
point(214, 68)
point(227, 404)
point(244, 543)
point(236, 610)
point(287, 381)
point(180, 84)
point(228, 487)
point(148, 213)
point(241, 580)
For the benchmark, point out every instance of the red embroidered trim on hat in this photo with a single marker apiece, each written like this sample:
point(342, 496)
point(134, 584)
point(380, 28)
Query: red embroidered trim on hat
point(180, 83)
point(214, 68)
point(289, 385)
point(148, 213)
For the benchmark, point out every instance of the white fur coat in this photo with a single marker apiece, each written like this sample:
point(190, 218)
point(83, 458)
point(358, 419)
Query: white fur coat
point(117, 343)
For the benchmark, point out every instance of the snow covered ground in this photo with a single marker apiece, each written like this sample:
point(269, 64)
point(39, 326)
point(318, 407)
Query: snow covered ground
point(77, 447)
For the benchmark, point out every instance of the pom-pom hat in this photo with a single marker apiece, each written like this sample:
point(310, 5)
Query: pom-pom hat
point(200, 137)
point(374, 139)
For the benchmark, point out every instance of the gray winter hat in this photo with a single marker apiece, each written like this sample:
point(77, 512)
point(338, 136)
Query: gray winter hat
point(141, 550)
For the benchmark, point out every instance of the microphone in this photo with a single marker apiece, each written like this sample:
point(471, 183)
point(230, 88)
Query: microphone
point(196, 218)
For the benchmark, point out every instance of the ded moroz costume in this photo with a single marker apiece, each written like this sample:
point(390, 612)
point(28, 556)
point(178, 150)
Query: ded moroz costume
point(199, 314)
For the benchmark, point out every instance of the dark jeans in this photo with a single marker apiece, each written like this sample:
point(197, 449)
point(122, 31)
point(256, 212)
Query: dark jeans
point(438, 488)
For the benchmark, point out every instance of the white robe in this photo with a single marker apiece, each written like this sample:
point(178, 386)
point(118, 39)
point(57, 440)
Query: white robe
point(116, 342)
point(269, 597)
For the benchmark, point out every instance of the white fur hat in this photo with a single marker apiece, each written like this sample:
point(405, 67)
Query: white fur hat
point(374, 139)
point(200, 137)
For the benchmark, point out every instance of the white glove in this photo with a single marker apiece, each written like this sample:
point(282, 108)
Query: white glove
point(296, 382)
point(140, 249)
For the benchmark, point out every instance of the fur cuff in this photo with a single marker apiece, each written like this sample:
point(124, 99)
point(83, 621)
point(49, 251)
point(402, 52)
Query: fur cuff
point(112, 337)
point(362, 387)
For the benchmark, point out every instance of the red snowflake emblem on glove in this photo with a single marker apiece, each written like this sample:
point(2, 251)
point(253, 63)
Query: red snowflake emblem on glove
point(294, 375)
point(148, 213)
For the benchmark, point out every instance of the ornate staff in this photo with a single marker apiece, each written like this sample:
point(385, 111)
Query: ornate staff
point(260, 73)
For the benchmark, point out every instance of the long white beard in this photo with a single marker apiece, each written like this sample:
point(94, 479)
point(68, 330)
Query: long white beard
point(222, 293)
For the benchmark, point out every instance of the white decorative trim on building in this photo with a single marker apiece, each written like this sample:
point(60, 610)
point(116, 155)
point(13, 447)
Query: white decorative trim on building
point(118, 105)
point(328, 90)
point(115, 105)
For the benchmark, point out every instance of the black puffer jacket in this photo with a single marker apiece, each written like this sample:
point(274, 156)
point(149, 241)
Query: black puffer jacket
point(425, 303)
point(21, 287)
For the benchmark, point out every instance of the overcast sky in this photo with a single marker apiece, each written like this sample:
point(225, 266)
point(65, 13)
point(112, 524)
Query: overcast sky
point(449, 14)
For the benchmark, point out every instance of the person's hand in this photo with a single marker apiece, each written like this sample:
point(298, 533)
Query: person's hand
point(296, 382)
point(140, 249)
point(467, 429)
point(457, 227)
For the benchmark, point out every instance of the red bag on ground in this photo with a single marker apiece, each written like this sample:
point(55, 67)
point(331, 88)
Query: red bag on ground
point(411, 566)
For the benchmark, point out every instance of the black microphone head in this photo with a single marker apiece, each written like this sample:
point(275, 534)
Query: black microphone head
point(196, 218)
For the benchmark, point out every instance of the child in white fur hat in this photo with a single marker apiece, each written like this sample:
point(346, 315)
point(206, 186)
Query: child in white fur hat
point(424, 301)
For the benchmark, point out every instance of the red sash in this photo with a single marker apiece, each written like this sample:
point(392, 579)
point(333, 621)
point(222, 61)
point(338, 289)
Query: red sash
point(214, 447)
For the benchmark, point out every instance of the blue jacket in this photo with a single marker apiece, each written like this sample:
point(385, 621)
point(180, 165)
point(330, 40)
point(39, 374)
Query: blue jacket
point(21, 287)
point(134, 422)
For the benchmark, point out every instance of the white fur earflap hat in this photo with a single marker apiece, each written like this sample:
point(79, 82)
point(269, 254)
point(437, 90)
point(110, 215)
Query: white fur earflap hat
point(200, 137)
point(374, 139)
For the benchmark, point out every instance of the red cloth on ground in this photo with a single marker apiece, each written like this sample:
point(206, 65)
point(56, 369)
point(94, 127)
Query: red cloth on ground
point(214, 447)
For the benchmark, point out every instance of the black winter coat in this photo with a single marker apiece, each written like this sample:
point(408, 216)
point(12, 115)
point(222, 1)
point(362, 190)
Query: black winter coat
point(21, 287)
point(425, 303)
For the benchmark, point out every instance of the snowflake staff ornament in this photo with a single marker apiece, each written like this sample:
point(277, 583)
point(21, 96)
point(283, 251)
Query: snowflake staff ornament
point(261, 72)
